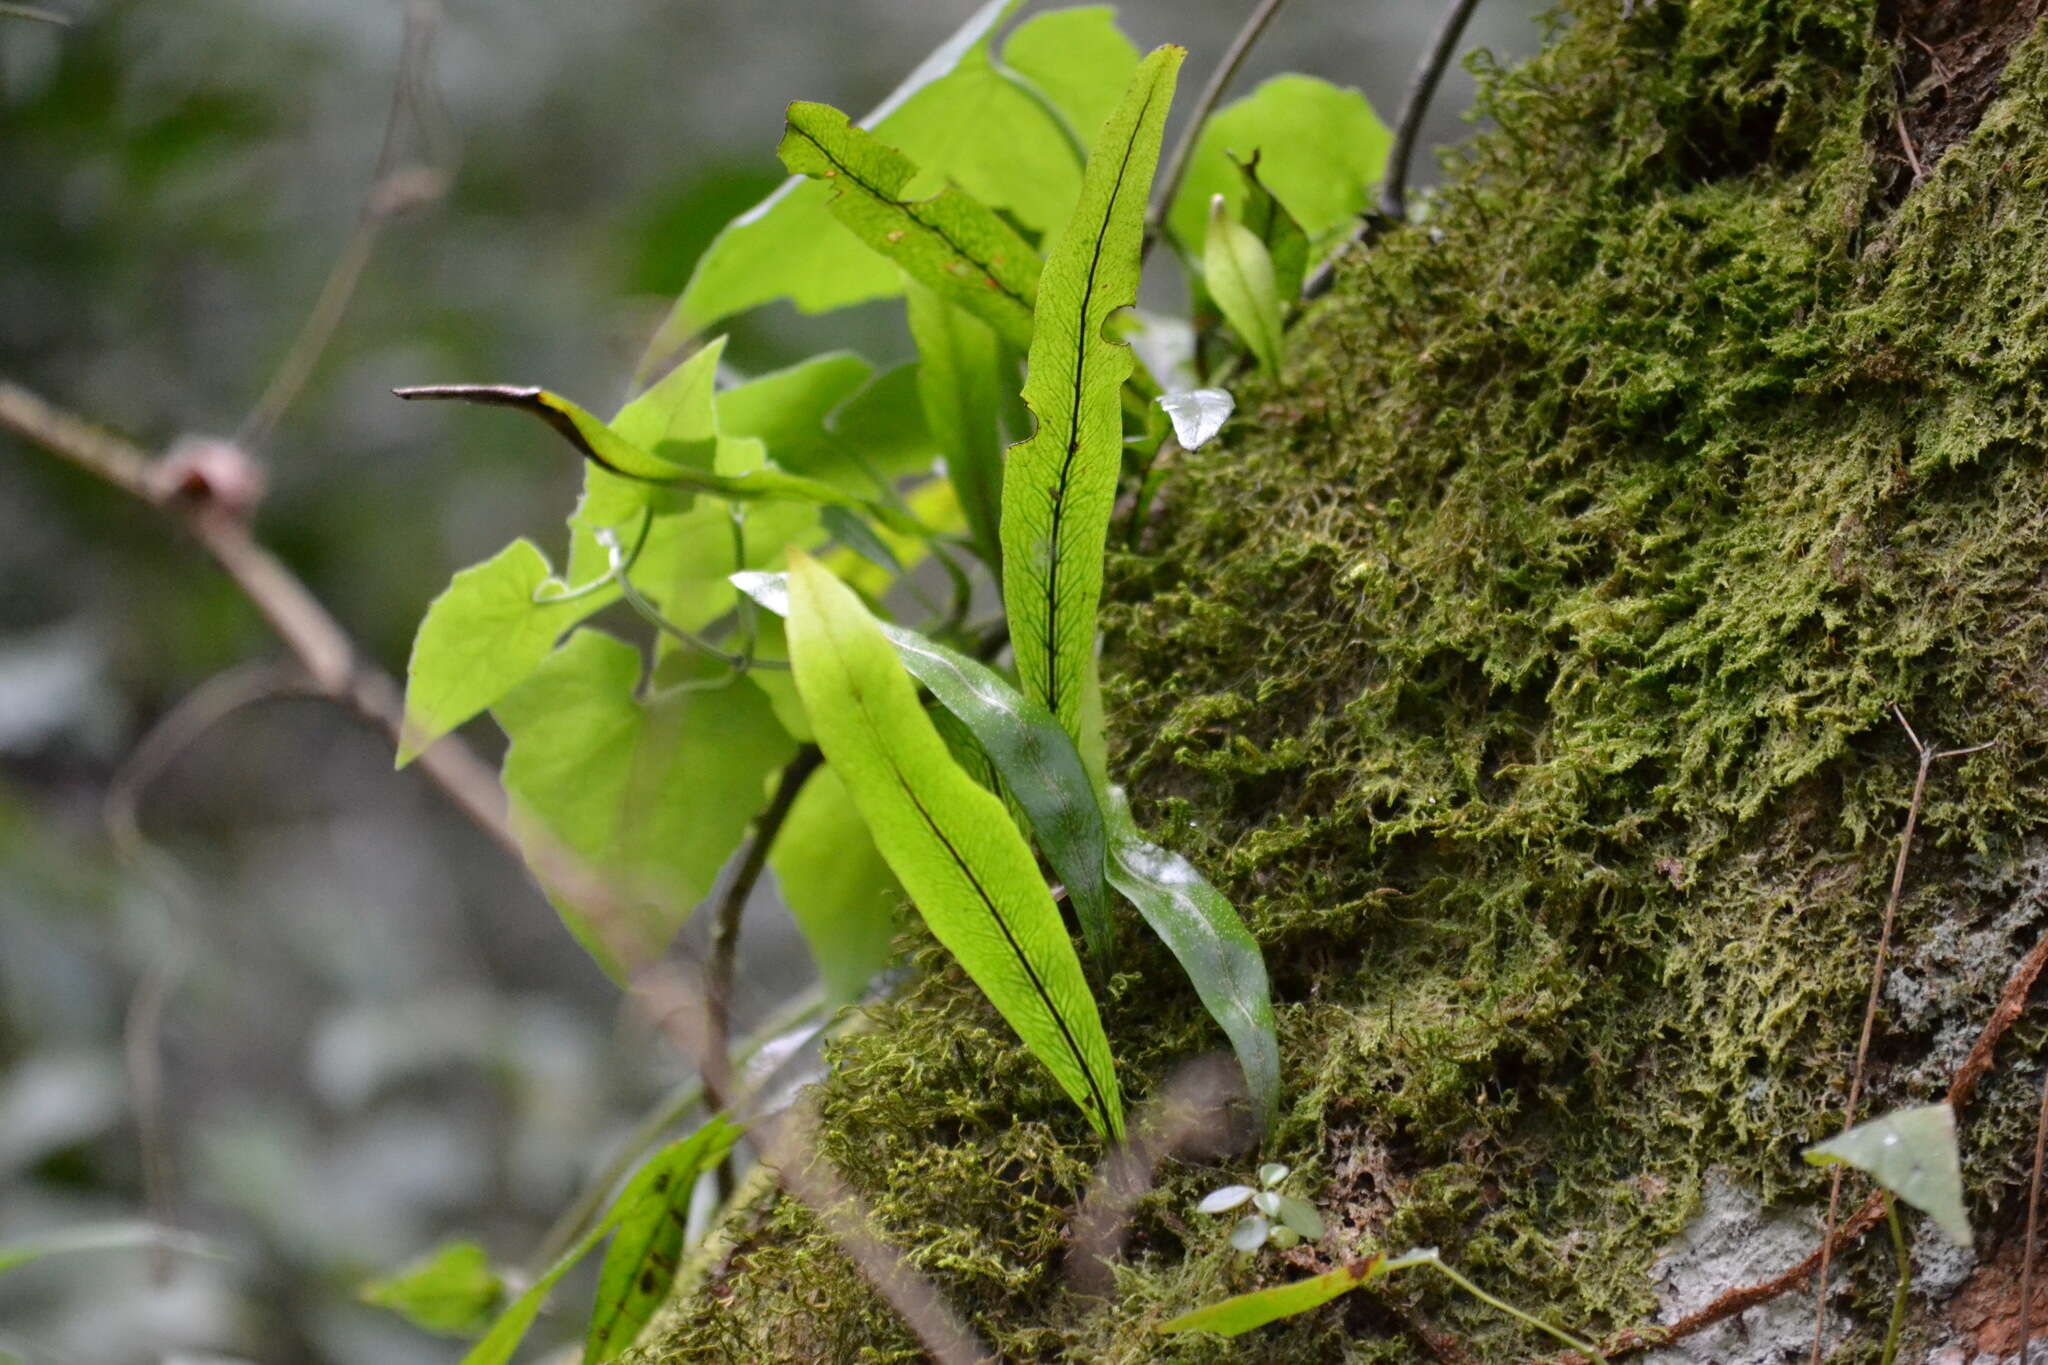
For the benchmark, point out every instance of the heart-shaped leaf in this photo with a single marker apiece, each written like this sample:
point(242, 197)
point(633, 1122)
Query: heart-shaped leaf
point(1912, 1153)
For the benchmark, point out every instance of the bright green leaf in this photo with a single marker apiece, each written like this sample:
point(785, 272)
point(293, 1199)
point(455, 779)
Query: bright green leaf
point(481, 638)
point(1912, 1153)
point(451, 1290)
point(870, 441)
point(952, 844)
point(834, 419)
point(606, 447)
point(979, 129)
point(1059, 486)
point(1239, 276)
point(1203, 932)
point(676, 419)
point(958, 118)
point(960, 381)
point(950, 243)
point(679, 1162)
point(837, 886)
point(1078, 59)
point(653, 795)
point(1320, 148)
point(650, 1218)
point(1268, 220)
point(1236, 1316)
point(1039, 767)
point(830, 418)
point(1036, 761)
point(783, 408)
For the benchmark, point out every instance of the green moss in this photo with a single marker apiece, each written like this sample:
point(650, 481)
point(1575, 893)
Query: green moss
point(1521, 666)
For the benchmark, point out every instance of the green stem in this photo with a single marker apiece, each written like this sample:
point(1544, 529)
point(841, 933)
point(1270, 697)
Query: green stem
point(638, 601)
point(603, 580)
point(1898, 1322)
point(744, 605)
point(1434, 1260)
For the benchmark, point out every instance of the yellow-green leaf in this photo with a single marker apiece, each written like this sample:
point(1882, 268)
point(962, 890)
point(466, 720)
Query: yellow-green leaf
point(653, 795)
point(951, 843)
point(451, 1290)
point(482, 637)
point(950, 243)
point(1239, 275)
point(959, 384)
point(1236, 1316)
point(1031, 755)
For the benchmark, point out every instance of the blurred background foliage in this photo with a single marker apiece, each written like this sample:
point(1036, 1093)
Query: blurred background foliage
point(375, 1034)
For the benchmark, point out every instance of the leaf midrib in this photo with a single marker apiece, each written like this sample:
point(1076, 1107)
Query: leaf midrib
point(1081, 344)
point(910, 207)
point(1059, 1019)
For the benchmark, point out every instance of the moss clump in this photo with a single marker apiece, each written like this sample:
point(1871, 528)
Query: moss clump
point(1521, 667)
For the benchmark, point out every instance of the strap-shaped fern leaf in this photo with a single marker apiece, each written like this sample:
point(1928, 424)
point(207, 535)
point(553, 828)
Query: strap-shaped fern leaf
point(1059, 486)
point(950, 842)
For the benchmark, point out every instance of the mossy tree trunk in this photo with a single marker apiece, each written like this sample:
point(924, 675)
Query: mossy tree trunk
point(1522, 663)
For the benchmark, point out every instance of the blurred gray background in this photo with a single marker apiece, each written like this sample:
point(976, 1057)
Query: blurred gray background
point(377, 1033)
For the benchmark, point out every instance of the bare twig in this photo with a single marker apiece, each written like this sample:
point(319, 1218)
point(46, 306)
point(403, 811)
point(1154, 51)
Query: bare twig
point(1429, 72)
point(1392, 208)
point(1212, 93)
point(395, 186)
point(1906, 142)
point(2033, 1226)
point(336, 671)
point(9, 10)
point(1928, 755)
point(180, 727)
point(732, 906)
point(2012, 1002)
point(198, 712)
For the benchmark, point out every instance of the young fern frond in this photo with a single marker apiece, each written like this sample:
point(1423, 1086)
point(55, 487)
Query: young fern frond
point(1060, 485)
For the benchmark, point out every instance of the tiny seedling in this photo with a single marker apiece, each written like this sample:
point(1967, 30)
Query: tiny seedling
point(1276, 1219)
point(1912, 1155)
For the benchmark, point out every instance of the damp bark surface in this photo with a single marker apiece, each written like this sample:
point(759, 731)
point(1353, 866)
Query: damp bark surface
point(1521, 662)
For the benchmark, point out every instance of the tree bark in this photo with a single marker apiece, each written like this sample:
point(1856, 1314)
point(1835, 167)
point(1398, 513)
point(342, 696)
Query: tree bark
point(1522, 663)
